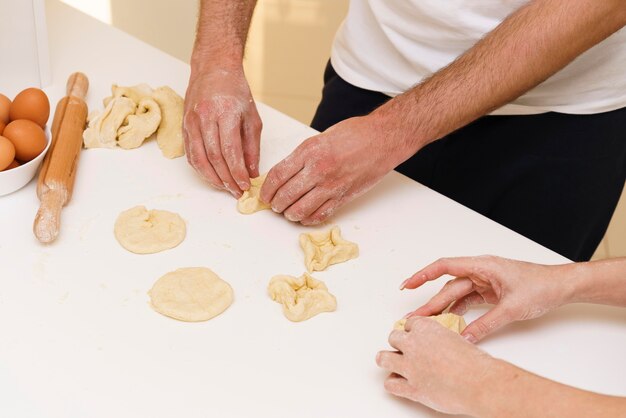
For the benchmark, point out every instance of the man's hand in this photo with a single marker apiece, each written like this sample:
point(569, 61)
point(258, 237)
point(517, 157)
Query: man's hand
point(330, 169)
point(435, 367)
point(519, 290)
point(222, 129)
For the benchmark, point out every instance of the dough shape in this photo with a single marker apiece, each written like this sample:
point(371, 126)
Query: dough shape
point(139, 126)
point(170, 133)
point(321, 249)
point(143, 231)
point(250, 202)
point(135, 93)
point(302, 297)
point(191, 294)
point(103, 126)
point(451, 321)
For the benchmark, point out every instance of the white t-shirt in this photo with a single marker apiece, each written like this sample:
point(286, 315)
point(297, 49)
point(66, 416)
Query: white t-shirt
point(391, 45)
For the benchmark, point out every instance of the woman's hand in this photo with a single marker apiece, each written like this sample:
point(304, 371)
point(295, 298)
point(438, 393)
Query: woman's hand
point(519, 290)
point(436, 367)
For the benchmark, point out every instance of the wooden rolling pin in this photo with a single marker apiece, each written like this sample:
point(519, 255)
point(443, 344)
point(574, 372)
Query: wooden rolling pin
point(56, 178)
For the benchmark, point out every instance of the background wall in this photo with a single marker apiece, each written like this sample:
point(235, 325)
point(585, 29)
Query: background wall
point(288, 47)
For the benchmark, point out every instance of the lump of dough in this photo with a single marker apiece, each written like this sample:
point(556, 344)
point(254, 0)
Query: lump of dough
point(170, 133)
point(143, 231)
point(250, 202)
point(321, 249)
point(139, 126)
point(135, 93)
point(451, 321)
point(102, 129)
point(302, 298)
point(191, 294)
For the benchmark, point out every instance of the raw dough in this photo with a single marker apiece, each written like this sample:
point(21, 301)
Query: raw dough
point(135, 93)
point(103, 126)
point(451, 321)
point(133, 114)
point(170, 133)
point(191, 294)
point(249, 202)
point(302, 298)
point(140, 125)
point(321, 249)
point(143, 231)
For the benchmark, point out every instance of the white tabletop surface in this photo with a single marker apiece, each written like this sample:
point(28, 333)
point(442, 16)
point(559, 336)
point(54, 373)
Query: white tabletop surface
point(78, 338)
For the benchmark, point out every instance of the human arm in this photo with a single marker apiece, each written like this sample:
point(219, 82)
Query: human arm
point(529, 46)
point(457, 377)
point(221, 124)
point(519, 290)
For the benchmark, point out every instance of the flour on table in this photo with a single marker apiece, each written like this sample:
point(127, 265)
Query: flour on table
point(321, 249)
point(302, 297)
point(143, 231)
point(191, 294)
point(451, 321)
point(250, 201)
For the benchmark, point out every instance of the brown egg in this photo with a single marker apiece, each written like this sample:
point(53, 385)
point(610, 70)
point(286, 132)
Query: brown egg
point(14, 164)
point(2, 126)
point(7, 153)
point(27, 137)
point(5, 105)
point(31, 104)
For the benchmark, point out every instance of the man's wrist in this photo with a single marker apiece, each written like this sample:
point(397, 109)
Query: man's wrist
point(403, 139)
point(209, 61)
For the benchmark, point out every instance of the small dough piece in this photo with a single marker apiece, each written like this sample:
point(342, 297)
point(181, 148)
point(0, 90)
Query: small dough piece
point(170, 133)
point(143, 231)
point(139, 126)
point(302, 298)
point(250, 202)
point(191, 294)
point(451, 321)
point(103, 127)
point(321, 249)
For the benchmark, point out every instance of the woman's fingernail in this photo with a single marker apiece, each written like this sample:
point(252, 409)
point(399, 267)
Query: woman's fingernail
point(407, 315)
point(404, 283)
point(470, 338)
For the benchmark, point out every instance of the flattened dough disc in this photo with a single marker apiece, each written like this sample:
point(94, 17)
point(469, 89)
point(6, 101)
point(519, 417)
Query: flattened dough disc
point(143, 231)
point(191, 294)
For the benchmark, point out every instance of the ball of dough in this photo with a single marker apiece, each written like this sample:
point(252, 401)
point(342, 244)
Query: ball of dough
point(250, 200)
point(143, 231)
point(191, 294)
point(451, 321)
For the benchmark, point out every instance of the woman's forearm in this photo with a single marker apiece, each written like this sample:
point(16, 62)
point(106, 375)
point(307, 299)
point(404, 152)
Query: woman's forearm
point(602, 282)
point(516, 393)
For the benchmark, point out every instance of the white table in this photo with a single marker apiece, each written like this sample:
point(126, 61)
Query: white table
point(78, 339)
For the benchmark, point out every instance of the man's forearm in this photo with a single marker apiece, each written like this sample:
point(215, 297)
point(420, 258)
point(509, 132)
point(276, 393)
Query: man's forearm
point(529, 46)
point(221, 34)
point(509, 391)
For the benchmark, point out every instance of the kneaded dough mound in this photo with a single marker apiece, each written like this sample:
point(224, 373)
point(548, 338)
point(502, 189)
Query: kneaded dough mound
point(451, 321)
point(321, 249)
point(143, 231)
point(302, 297)
point(191, 294)
point(250, 200)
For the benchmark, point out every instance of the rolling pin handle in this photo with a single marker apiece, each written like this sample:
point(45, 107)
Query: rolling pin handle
point(48, 219)
point(77, 85)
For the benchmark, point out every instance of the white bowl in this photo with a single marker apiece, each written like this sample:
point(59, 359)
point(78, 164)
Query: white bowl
point(18, 177)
